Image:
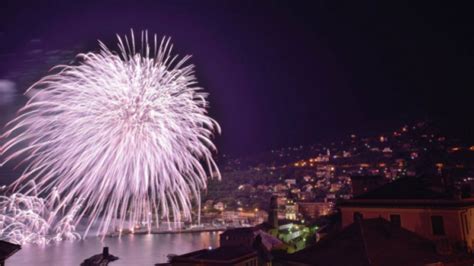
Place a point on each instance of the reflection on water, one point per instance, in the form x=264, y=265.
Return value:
x=131, y=249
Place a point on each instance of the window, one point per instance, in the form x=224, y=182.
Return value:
x=251, y=263
x=395, y=220
x=358, y=216
x=437, y=224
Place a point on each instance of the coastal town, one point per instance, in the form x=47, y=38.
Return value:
x=287, y=212
x=236, y=133
x=308, y=181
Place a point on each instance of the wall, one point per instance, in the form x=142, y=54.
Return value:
x=458, y=222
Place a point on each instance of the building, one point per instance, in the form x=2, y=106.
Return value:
x=420, y=205
x=222, y=256
x=290, y=182
x=246, y=236
x=220, y=206
x=294, y=235
x=260, y=216
x=237, y=237
x=368, y=242
x=313, y=210
x=364, y=184
x=291, y=210
x=7, y=249
x=230, y=215
x=335, y=187
x=281, y=199
x=273, y=213
x=239, y=246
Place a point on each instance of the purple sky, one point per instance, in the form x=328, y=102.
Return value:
x=279, y=73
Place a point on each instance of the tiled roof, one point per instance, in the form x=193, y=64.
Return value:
x=239, y=231
x=222, y=254
x=373, y=242
x=407, y=188
x=226, y=253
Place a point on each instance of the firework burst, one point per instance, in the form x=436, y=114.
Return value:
x=125, y=132
x=31, y=219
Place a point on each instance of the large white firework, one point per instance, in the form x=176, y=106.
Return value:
x=127, y=132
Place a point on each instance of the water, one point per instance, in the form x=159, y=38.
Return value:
x=139, y=250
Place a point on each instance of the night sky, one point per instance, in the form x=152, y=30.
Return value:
x=279, y=74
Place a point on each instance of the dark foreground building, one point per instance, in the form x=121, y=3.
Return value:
x=369, y=242
x=100, y=259
x=238, y=247
x=238, y=256
x=7, y=249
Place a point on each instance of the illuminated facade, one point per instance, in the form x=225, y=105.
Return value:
x=409, y=203
x=291, y=210
x=313, y=210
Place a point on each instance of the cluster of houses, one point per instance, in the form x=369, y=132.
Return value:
x=420, y=220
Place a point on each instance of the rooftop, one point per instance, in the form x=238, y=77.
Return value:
x=221, y=254
x=423, y=191
x=239, y=231
x=373, y=242
x=7, y=249
x=225, y=253
x=408, y=188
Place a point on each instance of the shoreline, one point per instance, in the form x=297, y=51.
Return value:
x=169, y=232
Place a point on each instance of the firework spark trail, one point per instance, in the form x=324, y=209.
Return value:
x=127, y=132
x=29, y=219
